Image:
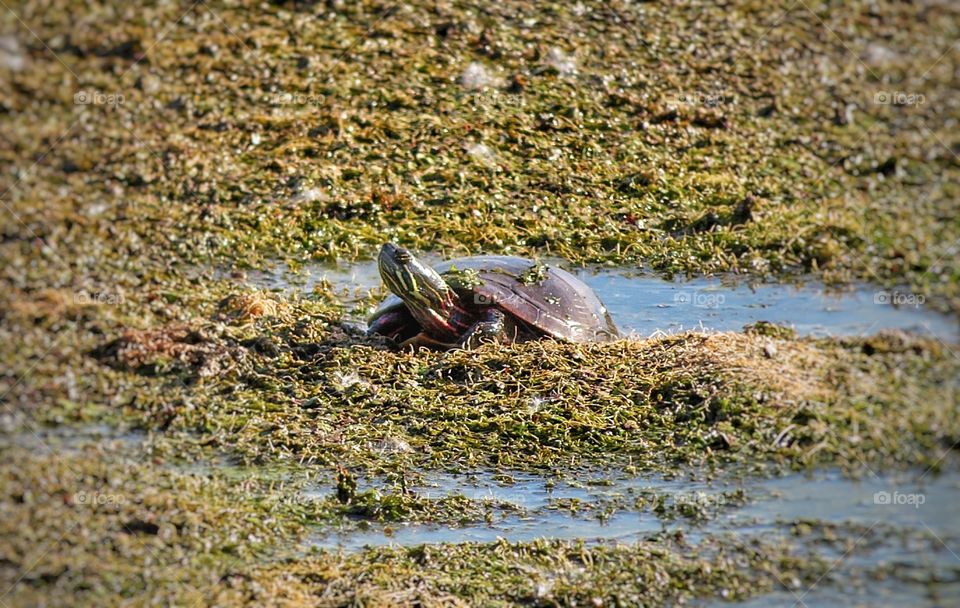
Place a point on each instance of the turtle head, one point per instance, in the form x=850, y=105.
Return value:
x=427, y=295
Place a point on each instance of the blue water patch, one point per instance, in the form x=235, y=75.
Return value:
x=919, y=501
x=644, y=305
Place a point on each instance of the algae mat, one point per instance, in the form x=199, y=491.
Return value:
x=145, y=146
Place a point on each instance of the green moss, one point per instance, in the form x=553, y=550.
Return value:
x=537, y=273
x=463, y=278
x=649, y=573
x=294, y=132
x=772, y=330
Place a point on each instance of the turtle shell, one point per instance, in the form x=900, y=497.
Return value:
x=544, y=298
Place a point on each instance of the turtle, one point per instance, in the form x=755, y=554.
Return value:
x=464, y=302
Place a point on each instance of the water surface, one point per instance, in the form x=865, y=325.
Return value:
x=903, y=527
x=645, y=304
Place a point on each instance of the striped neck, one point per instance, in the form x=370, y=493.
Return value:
x=429, y=298
x=443, y=320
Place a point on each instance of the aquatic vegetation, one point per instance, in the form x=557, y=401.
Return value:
x=153, y=154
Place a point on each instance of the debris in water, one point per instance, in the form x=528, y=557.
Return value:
x=476, y=77
x=564, y=64
x=877, y=55
x=11, y=53
x=482, y=154
x=308, y=196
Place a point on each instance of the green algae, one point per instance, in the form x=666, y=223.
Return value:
x=464, y=278
x=744, y=167
x=232, y=135
x=285, y=389
x=533, y=275
x=541, y=573
x=653, y=403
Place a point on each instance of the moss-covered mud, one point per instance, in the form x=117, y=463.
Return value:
x=143, y=146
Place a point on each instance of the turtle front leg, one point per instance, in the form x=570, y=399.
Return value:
x=396, y=325
x=493, y=326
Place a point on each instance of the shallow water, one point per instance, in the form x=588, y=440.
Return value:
x=66, y=439
x=915, y=513
x=644, y=304
x=917, y=501
x=917, y=510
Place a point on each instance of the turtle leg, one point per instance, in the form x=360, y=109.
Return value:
x=493, y=326
x=422, y=340
x=398, y=325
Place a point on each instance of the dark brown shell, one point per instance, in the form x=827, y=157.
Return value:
x=551, y=301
